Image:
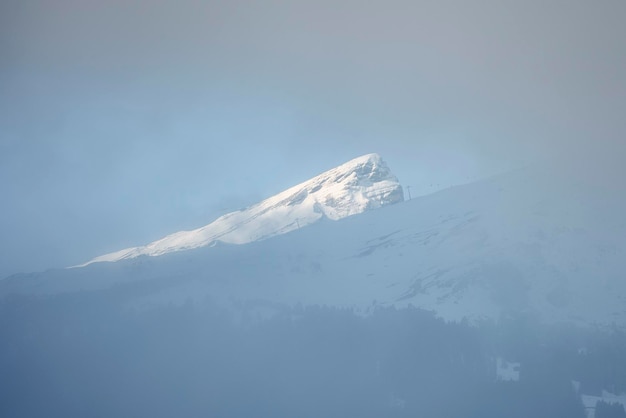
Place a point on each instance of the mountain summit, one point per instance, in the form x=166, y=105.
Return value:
x=533, y=242
x=359, y=185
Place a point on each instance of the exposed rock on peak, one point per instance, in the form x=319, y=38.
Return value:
x=361, y=184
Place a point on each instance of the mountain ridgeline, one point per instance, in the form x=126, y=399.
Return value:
x=335, y=298
x=533, y=242
x=361, y=184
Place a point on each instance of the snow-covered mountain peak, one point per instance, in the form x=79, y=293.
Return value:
x=356, y=186
x=360, y=184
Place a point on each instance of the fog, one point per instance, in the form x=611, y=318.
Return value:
x=124, y=121
x=79, y=356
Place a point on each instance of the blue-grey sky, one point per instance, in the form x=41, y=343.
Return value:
x=122, y=121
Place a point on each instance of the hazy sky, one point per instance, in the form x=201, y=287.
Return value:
x=124, y=120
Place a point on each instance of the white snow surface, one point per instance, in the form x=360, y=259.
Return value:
x=361, y=184
x=536, y=242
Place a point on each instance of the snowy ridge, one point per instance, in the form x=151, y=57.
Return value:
x=534, y=243
x=361, y=184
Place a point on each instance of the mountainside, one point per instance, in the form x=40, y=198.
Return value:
x=531, y=242
x=360, y=184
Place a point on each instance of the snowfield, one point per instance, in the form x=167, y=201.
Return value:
x=361, y=184
x=531, y=242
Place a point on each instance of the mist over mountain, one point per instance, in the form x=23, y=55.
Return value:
x=175, y=242
x=520, y=243
x=509, y=288
x=361, y=184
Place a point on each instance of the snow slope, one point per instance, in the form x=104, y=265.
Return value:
x=533, y=242
x=360, y=184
